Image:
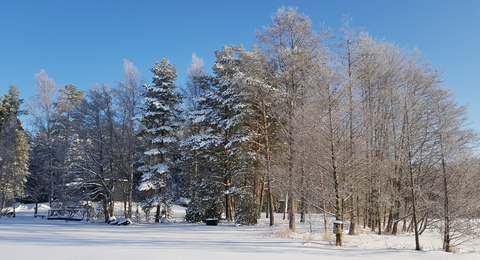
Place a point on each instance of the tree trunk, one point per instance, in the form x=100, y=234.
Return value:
x=395, y=223
x=267, y=212
x=339, y=237
x=157, y=214
x=2, y=205
x=446, y=235
x=125, y=209
x=384, y=217
x=379, y=222
x=388, y=227
x=262, y=192
x=105, y=209
x=415, y=224
x=130, y=196
x=404, y=226
x=50, y=199
x=290, y=200
x=358, y=210
x=291, y=213
x=228, y=204
x=270, y=202
x=351, y=229
x=303, y=198
x=14, y=204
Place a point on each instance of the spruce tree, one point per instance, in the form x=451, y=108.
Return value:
x=162, y=120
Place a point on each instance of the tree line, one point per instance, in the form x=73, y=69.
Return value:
x=339, y=124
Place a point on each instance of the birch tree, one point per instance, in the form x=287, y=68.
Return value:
x=96, y=161
x=128, y=100
x=41, y=108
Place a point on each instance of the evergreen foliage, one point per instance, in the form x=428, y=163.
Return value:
x=199, y=162
x=218, y=144
x=162, y=121
x=14, y=149
x=206, y=199
x=355, y=129
x=246, y=208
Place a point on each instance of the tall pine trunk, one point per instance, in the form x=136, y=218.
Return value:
x=270, y=202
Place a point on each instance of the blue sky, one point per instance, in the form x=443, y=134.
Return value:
x=85, y=42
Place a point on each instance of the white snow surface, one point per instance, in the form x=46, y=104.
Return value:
x=26, y=237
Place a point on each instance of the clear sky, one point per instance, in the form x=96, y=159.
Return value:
x=84, y=42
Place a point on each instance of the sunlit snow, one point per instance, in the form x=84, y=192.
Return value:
x=26, y=237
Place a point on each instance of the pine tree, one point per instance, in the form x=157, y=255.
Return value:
x=230, y=126
x=219, y=148
x=199, y=164
x=70, y=99
x=162, y=120
x=257, y=79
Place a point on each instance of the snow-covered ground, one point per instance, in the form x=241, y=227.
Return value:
x=25, y=237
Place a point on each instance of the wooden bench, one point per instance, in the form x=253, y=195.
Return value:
x=75, y=214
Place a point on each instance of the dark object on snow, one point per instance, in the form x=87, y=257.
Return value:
x=27, y=200
x=112, y=221
x=211, y=221
x=121, y=222
x=38, y=215
x=124, y=222
x=7, y=214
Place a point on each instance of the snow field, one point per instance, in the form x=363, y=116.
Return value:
x=25, y=237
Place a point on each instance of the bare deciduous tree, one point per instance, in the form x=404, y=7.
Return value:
x=291, y=47
x=128, y=99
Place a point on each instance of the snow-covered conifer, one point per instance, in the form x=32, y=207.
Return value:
x=218, y=146
x=246, y=208
x=14, y=149
x=199, y=163
x=230, y=125
x=162, y=121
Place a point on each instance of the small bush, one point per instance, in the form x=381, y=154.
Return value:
x=283, y=232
